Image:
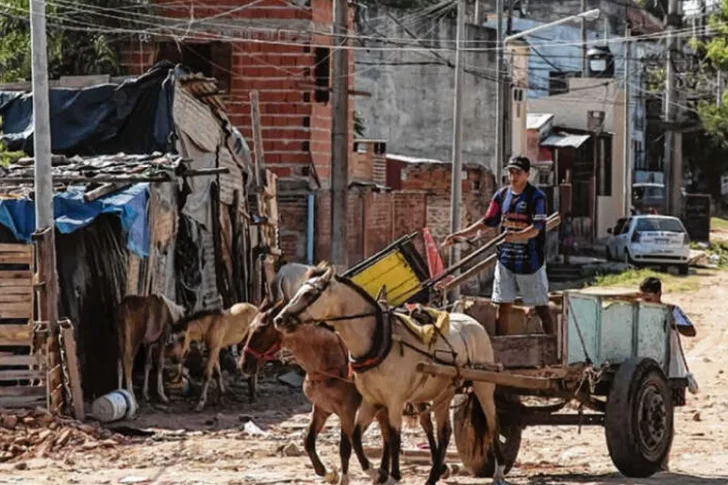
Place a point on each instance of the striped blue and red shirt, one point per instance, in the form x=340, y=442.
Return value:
x=515, y=212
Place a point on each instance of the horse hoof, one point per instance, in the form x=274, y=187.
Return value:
x=332, y=477
x=344, y=480
x=200, y=407
x=391, y=481
x=373, y=475
x=164, y=399
x=445, y=473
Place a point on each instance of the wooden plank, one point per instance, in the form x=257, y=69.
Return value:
x=19, y=360
x=28, y=402
x=16, y=274
x=16, y=314
x=15, y=258
x=525, y=351
x=16, y=297
x=11, y=375
x=16, y=310
x=506, y=379
x=16, y=290
x=15, y=334
x=16, y=248
x=74, y=375
x=25, y=391
x=259, y=160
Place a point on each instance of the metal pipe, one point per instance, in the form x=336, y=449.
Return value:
x=310, y=229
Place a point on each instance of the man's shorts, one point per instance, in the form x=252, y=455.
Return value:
x=532, y=288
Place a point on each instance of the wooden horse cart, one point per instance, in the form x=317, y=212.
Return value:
x=610, y=356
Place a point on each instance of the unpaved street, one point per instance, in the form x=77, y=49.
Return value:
x=215, y=448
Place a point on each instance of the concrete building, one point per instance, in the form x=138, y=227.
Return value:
x=602, y=197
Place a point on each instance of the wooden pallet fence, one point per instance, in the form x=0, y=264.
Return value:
x=22, y=367
x=46, y=303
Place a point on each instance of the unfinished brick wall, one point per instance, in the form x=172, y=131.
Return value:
x=409, y=215
x=269, y=49
x=290, y=68
x=356, y=204
x=293, y=215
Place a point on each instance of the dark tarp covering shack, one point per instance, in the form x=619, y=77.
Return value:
x=198, y=249
x=132, y=117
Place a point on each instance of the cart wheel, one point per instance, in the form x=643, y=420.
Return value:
x=470, y=428
x=639, y=418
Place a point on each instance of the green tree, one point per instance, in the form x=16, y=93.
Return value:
x=710, y=148
x=81, y=36
x=7, y=157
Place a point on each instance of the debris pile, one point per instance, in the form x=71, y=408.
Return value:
x=38, y=434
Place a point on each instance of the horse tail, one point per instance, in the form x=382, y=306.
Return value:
x=474, y=411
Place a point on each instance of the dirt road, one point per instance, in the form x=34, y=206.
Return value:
x=215, y=447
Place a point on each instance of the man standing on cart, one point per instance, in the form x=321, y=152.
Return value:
x=520, y=210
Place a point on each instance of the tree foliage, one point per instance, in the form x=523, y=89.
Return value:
x=7, y=157
x=82, y=36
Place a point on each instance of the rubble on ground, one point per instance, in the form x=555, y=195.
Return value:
x=38, y=434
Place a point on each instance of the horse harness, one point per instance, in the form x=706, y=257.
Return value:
x=383, y=339
x=263, y=356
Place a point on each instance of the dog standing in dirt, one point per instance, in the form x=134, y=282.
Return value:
x=144, y=321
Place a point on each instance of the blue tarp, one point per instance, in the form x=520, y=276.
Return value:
x=72, y=213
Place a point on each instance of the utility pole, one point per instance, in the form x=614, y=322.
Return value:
x=44, y=219
x=669, y=110
x=457, y=142
x=41, y=117
x=499, y=95
x=506, y=101
x=340, y=137
x=583, y=40
x=627, y=136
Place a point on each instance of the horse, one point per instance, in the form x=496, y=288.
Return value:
x=322, y=355
x=144, y=321
x=385, y=354
x=218, y=329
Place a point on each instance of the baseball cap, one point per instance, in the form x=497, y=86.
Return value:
x=520, y=162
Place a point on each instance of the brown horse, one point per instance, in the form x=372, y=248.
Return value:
x=324, y=358
x=218, y=329
x=144, y=321
x=385, y=357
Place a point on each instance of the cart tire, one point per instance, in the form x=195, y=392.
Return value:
x=639, y=418
x=469, y=428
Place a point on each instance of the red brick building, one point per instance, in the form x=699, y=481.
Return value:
x=281, y=48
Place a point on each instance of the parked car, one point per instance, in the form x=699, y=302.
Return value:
x=647, y=196
x=650, y=240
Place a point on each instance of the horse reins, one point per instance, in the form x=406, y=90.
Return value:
x=373, y=358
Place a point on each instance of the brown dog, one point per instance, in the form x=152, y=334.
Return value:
x=144, y=320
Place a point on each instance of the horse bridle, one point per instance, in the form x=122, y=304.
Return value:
x=266, y=355
x=319, y=291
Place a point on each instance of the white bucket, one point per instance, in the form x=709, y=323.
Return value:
x=114, y=406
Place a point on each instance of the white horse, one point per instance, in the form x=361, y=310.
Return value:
x=384, y=356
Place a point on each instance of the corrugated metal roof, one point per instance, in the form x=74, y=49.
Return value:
x=565, y=140
x=429, y=161
x=534, y=121
x=18, y=177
